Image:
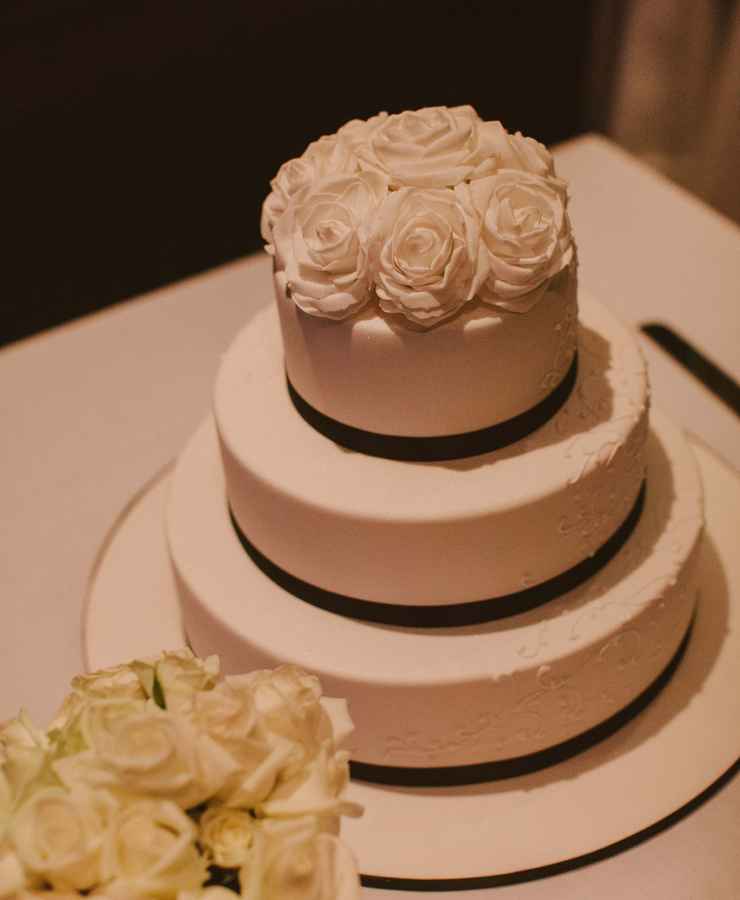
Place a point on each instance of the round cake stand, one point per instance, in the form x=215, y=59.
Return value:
x=516, y=829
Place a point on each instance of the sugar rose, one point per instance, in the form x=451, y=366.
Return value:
x=327, y=156
x=515, y=151
x=358, y=131
x=434, y=147
x=430, y=263
x=525, y=236
x=325, y=244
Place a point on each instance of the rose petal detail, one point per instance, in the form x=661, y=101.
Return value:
x=325, y=244
x=525, y=234
x=430, y=263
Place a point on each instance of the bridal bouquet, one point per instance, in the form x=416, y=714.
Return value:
x=161, y=779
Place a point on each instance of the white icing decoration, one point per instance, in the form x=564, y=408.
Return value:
x=466, y=177
x=325, y=243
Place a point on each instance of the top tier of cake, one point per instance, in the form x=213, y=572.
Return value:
x=424, y=273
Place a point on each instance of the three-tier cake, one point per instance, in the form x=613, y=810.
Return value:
x=430, y=475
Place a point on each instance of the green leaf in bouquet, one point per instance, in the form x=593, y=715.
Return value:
x=158, y=693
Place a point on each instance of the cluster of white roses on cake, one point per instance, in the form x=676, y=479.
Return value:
x=424, y=211
x=159, y=779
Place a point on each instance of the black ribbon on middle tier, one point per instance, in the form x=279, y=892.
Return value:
x=441, y=447
x=456, y=614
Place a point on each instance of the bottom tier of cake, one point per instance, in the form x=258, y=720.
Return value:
x=453, y=697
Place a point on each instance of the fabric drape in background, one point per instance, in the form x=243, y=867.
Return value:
x=670, y=91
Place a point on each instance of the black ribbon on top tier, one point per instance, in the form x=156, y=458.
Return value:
x=456, y=614
x=442, y=447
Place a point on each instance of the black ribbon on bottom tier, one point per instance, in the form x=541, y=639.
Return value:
x=478, y=773
x=442, y=447
x=453, y=615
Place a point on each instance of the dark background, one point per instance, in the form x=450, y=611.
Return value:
x=138, y=138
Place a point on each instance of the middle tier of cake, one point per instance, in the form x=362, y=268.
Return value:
x=369, y=530
x=454, y=697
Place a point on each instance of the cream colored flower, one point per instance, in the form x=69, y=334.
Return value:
x=173, y=678
x=227, y=713
x=261, y=763
x=515, y=151
x=57, y=835
x=113, y=683
x=12, y=875
x=150, y=850
x=325, y=244
x=293, y=860
x=434, y=147
x=151, y=751
x=212, y=892
x=340, y=720
x=226, y=835
x=288, y=703
x=329, y=156
x=430, y=262
x=525, y=233
x=315, y=790
x=25, y=756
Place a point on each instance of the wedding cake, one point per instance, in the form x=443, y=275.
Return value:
x=430, y=475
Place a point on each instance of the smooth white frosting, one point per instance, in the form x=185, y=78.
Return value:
x=434, y=533
x=458, y=696
x=480, y=368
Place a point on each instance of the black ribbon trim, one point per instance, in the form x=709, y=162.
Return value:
x=442, y=447
x=451, y=615
x=478, y=773
x=549, y=757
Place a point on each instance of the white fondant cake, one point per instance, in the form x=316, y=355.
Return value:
x=425, y=284
x=433, y=533
x=444, y=697
x=478, y=369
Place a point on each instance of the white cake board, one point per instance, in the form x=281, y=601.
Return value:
x=647, y=771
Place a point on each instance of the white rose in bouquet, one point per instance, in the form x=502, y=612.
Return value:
x=150, y=851
x=288, y=702
x=13, y=876
x=316, y=789
x=212, y=892
x=25, y=759
x=227, y=835
x=173, y=679
x=57, y=835
x=154, y=752
x=293, y=860
x=325, y=243
x=525, y=233
x=431, y=262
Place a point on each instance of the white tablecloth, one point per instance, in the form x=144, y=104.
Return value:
x=91, y=410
